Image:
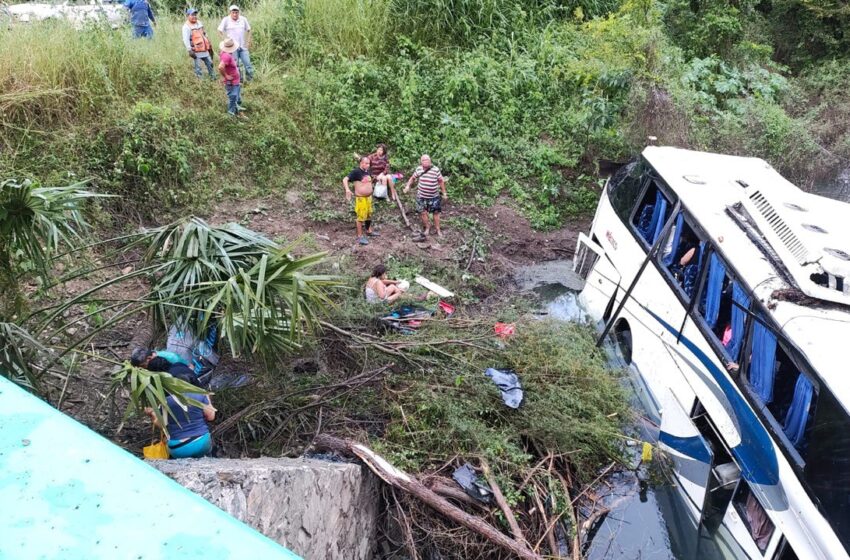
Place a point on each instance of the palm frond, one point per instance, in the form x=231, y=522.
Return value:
x=18, y=350
x=152, y=389
x=36, y=220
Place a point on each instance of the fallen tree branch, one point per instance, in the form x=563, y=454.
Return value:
x=404, y=481
x=503, y=503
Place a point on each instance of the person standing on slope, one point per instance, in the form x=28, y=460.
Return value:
x=236, y=27
x=141, y=18
x=428, y=194
x=197, y=43
x=362, y=183
x=230, y=77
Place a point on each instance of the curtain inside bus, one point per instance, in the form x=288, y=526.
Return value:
x=672, y=248
x=798, y=414
x=739, y=315
x=714, y=290
x=651, y=219
x=762, y=365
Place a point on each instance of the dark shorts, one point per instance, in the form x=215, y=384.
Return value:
x=430, y=205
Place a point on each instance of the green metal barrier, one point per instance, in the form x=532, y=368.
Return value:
x=67, y=493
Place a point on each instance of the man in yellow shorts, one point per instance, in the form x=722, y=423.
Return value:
x=362, y=183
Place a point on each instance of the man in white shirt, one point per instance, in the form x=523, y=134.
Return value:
x=236, y=27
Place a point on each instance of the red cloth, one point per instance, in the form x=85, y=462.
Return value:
x=504, y=330
x=231, y=70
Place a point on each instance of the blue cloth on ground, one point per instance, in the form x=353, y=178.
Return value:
x=508, y=383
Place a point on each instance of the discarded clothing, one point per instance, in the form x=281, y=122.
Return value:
x=405, y=318
x=508, y=383
x=468, y=480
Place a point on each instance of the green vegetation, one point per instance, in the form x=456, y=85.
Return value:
x=510, y=98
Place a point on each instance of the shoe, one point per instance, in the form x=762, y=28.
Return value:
x=242, y=116
x=373, y=234
x=363, y=240
x=240, y=108
x=419, y=237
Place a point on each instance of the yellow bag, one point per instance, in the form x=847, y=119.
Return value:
x=158, y=450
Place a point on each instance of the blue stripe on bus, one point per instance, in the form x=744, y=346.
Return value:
x=691, y=446
x=755, y=454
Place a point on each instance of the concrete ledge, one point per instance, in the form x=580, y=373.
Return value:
x=318, y=509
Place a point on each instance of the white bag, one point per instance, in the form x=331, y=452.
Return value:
x=380, y=191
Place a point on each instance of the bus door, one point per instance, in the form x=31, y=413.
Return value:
x=601, y=277
x=749, y=526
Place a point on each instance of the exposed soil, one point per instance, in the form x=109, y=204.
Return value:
x=508, y=238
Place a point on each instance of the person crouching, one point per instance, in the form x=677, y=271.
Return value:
x=189, y=434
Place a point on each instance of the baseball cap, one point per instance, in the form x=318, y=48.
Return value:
x=191, y=11
x=234, y=7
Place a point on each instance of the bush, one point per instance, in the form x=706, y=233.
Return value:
x=151, y=157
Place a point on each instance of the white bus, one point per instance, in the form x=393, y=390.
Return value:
x=727, y=289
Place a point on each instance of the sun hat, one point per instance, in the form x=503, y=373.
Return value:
x=234, y=7
x=228, y=45
x=191, y=11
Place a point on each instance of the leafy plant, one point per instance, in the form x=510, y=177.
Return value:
x=260, y=295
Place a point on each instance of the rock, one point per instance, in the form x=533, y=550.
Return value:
x=127, y=270
x=72, y=331
x=315, y=508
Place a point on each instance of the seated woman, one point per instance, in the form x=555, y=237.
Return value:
x=379, y=170
x=189, y=434
x=381, y=289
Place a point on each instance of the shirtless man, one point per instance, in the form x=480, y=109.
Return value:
x=362, y=199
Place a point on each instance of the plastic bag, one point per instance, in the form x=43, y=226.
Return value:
x=508, y=383
x=156, y=451
x=380, y=190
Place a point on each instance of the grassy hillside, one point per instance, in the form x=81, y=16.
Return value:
x=509, y=97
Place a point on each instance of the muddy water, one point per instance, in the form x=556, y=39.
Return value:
x=648, y=519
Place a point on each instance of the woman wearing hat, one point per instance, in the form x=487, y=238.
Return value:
x=230, y=76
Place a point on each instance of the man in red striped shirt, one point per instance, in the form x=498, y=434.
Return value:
x=428, y=194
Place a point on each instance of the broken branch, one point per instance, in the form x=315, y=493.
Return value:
x=404, y=481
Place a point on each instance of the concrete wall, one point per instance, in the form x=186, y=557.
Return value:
x=317, y=509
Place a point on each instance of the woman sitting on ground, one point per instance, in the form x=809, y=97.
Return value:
x=189, y=434
x=381, y=289
x=379, y=169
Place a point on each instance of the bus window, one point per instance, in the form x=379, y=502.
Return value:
x=784, y=391
x=624, y=189
x=723, y=306
x=785, y=552
x=753, y=515
x=682, y=255
x=828, y=463
x=652, y=212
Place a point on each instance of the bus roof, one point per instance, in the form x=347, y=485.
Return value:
x=809, y=234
